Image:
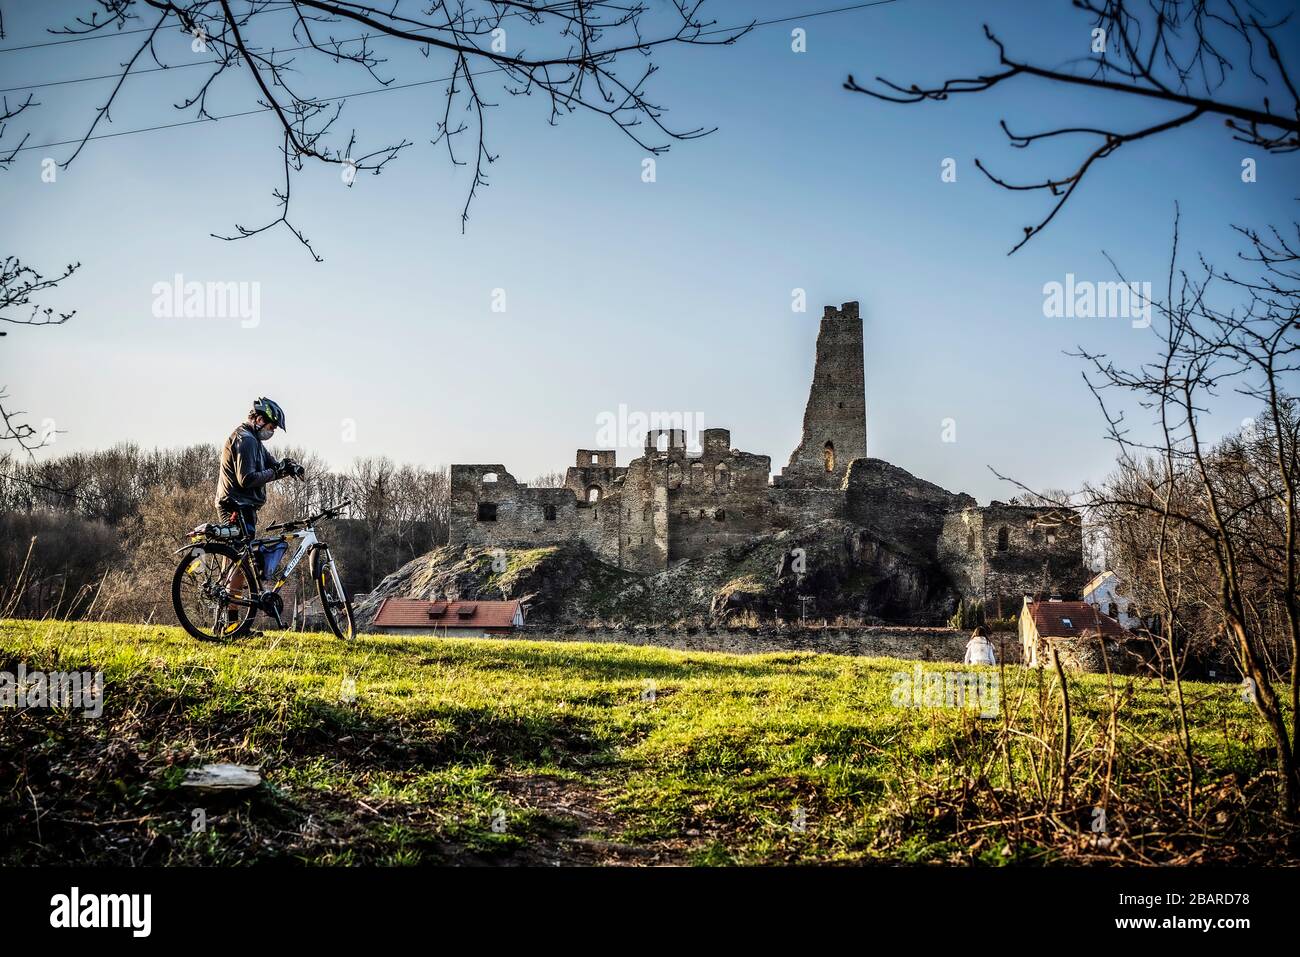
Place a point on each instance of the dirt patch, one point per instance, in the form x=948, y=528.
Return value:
x=580, y=830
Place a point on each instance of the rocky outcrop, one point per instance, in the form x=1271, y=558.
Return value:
x=558, y=583
x=828, y=570
x=898, y=508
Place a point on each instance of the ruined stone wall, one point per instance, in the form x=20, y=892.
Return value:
x=644, y=534
x=669, y=505
x=716, y=499
x=521, y=513
x=1000, y=553
x=906, y=642
x=835, y=418
x=899, y=508
x=797, y=507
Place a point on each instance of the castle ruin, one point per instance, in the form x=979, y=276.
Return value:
x=670, y=505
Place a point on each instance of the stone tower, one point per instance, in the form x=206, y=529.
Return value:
x=835, y=420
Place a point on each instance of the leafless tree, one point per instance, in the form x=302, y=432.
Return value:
x=1178, y=53
x=553, y=479
x=20, y=285
x=573, y=54
x=1221, y=520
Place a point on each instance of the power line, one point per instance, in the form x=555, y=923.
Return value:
x=183, y=66
x=102, y=36
x=124, y=33
x=801, y=16
x=382, y=89
x=260, y=109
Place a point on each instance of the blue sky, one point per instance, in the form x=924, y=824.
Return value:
x=671, y=296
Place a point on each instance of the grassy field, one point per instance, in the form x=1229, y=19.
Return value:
x=516, y=752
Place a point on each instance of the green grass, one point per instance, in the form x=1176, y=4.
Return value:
x=478, y=751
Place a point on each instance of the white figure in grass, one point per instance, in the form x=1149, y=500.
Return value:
x=979, y=650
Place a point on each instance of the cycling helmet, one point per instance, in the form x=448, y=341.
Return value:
x=270, y=410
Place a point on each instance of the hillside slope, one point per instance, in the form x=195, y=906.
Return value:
x=407, y=750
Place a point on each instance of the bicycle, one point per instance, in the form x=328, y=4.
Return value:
x=210, y=609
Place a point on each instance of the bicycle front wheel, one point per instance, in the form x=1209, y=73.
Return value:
x=206, y=586
x=334, y=601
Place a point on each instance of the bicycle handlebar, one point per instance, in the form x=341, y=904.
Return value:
x=332, y=512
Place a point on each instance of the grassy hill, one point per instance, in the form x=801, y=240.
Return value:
x=517, y=752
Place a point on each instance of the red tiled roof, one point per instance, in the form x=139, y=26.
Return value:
x=414, y=613
x=1050, y=619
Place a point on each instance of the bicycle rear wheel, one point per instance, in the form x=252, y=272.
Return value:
x=334, y=601
x=202, y=591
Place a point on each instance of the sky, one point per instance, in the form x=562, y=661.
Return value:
x=670, y=296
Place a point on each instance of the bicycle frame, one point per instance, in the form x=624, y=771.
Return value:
x=307, y=542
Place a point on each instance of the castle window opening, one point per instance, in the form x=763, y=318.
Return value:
x=1113, y=610
x=595, y=459
x=593, y=494
x=720, y=515
x=645, y=514
x=1004, y=539
x=661, y=443
x=548, y=513
x=697, y=473
x=487, y=511
x=828, y=455
x=722, y=476
x=489, y=477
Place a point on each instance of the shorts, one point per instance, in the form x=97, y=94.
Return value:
x=246, y=515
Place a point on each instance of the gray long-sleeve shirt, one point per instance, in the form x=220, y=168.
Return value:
x=246, y=467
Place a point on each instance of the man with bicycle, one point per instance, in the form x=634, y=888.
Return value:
x=225, y=575
x=246, y=469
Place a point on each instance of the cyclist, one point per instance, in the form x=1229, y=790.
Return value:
x=247, y=467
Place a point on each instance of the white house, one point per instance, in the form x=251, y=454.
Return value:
x=1108, y=596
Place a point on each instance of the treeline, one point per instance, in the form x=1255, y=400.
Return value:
x=95, y=531
x=1167, y=522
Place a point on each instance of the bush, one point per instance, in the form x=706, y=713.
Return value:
x=969, y=615
x=52, y=561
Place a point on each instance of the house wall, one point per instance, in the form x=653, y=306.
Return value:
x=1109, y=593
